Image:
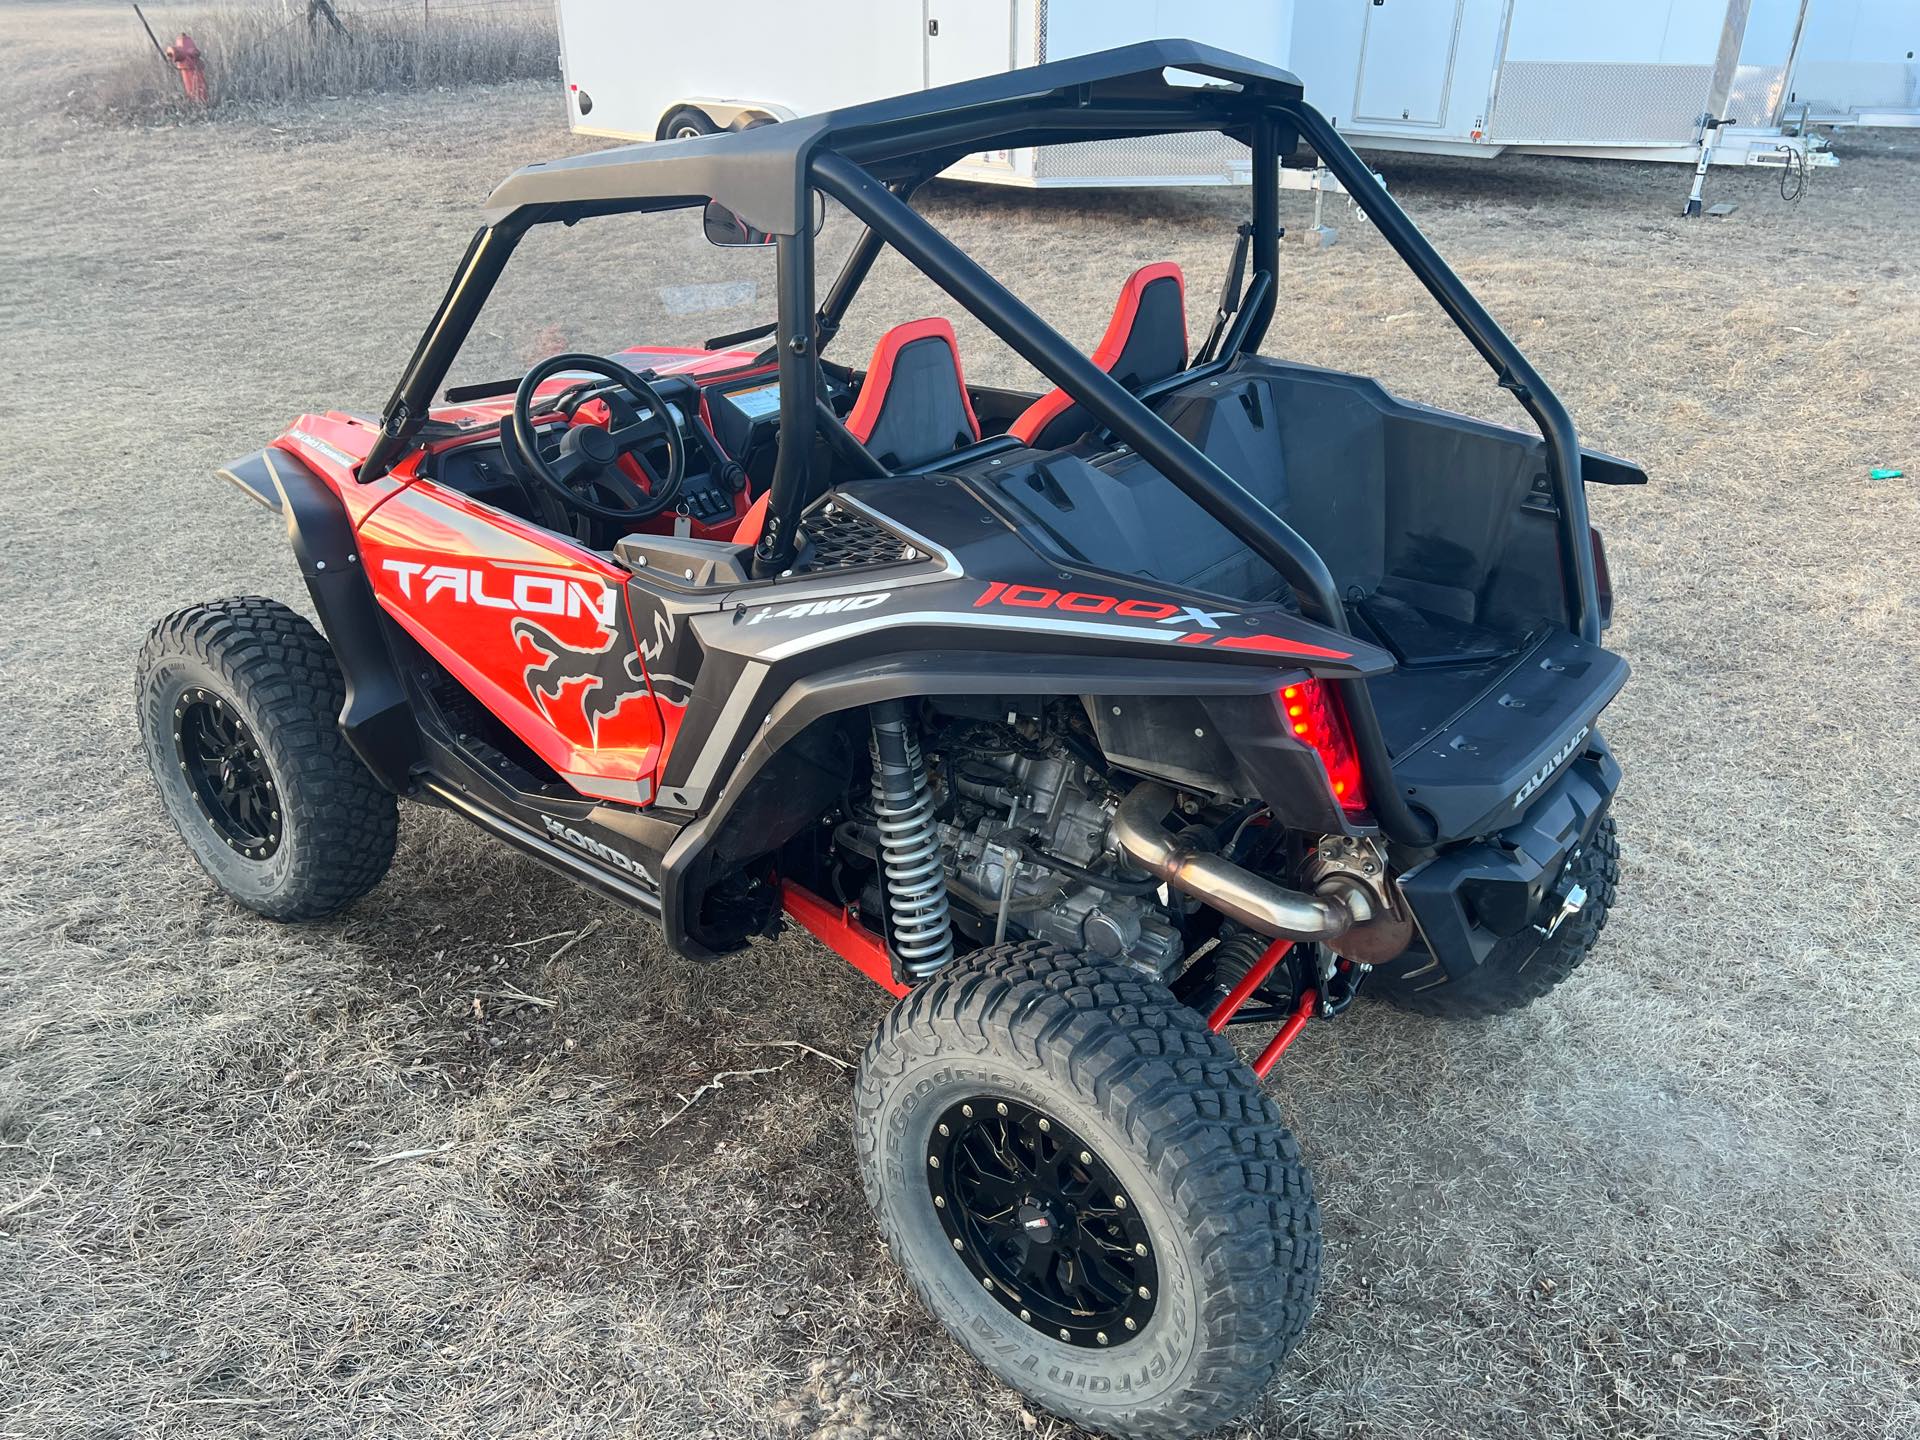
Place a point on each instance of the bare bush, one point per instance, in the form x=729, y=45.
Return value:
x=262, y=55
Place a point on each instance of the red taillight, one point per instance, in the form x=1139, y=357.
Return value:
x=1313, y=714
x=1602, y=577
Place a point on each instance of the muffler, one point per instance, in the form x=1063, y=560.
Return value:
x=1233, y=890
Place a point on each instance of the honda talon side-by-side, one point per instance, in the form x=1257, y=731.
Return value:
x=1201, y=690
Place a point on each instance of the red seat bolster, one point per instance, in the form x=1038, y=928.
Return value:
x=1035, y=418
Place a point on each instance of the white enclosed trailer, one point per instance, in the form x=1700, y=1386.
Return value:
x=1631, y=79
x=1855, y=63
x=1627, y=79
x=640, y=71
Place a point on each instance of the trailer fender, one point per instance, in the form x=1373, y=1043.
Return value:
x=725, y=114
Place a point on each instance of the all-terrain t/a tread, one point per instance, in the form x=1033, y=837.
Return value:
x=1196, y=1117
x=288, y=685
x=1518, y=972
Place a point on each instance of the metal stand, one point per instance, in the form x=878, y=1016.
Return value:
x=1709, y=133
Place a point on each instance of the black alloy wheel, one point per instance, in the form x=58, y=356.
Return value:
x=239, y=703
x=1042, y=1222
x=1088, y=1188
x=229, y=778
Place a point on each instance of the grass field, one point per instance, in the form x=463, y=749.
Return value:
x=1680, y=1198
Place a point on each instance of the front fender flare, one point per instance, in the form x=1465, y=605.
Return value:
x=377, y=719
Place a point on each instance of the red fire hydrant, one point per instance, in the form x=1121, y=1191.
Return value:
x=185, y=56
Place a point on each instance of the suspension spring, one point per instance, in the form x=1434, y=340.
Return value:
x=920, y=930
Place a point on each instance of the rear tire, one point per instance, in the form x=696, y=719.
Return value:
x=1213, y=1217
x=1523, y=967
x=239, y=703
x=687, y=122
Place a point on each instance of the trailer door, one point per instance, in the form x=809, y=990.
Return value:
x=1406, y=61
x=966, y=39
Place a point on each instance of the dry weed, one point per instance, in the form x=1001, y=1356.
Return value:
x=260, y=55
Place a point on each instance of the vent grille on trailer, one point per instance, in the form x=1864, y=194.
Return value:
x=845, y=539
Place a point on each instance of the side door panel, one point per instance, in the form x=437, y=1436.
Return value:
x=536, y=627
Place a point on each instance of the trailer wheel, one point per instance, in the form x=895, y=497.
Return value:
x=1089, y=1189
x=239, y=703
x=1525, y=967
x=687, y=122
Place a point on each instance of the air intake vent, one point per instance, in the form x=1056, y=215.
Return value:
x=842, y=539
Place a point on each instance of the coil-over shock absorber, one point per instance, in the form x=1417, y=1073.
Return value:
x=920, y=930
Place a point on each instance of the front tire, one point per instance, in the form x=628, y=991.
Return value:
x=1040, y=1079
x=238, y=703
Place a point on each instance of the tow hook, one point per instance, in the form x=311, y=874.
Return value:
x=1572, y=902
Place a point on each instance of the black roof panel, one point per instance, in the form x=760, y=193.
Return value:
x=758, y=173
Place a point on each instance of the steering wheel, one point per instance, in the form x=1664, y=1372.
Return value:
x=590, y=454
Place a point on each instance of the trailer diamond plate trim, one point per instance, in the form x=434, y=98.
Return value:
x=1568, y=102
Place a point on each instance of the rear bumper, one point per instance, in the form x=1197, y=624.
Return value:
x=1467, y=899
x=1479, y=771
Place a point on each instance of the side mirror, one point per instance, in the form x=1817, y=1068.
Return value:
x=723, y=227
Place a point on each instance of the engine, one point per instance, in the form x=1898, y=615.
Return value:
x=1023, y=823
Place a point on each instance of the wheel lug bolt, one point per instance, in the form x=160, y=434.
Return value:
x=939, y=1202
x=1086, y=1157
x=1140, y=1250
x=934, y=1161
x=958, y=1246
x=1144, y=1293
x=1066, y=1335
x=1101, y=1337
x=987, y=1281
x=1132, y=1324
x=1025, y=1316
x=967, y=1110
x=1045, y=1126
x=1119, y=1202
x=1001, y=1107
x=944, y=1130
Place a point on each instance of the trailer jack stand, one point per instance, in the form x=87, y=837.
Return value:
x=1709, y=133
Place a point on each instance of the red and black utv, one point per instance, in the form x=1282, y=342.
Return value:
x=1205, y=689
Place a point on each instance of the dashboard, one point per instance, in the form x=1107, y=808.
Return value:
x=739, y=414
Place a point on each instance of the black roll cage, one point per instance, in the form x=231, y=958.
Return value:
x=871, y=157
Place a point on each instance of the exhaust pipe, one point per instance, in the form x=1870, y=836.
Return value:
x=1233, y=890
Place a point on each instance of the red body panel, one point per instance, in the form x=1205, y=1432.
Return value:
x=535, y=626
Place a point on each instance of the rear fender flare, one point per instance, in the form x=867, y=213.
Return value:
x=853, y=687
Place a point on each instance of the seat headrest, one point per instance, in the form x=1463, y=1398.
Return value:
x=913, y=404
x=1146, y=340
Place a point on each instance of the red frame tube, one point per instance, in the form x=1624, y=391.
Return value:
x=1277, y=1046
x=1224, y=1012
x=842, y=933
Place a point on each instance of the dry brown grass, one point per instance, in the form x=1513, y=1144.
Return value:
x=264, y=54
x=1679, y=1199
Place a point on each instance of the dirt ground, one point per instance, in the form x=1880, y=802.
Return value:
x=1679, y=1198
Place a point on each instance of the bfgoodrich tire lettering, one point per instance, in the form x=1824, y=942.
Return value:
x=1180, y=1122
x=266, y=665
